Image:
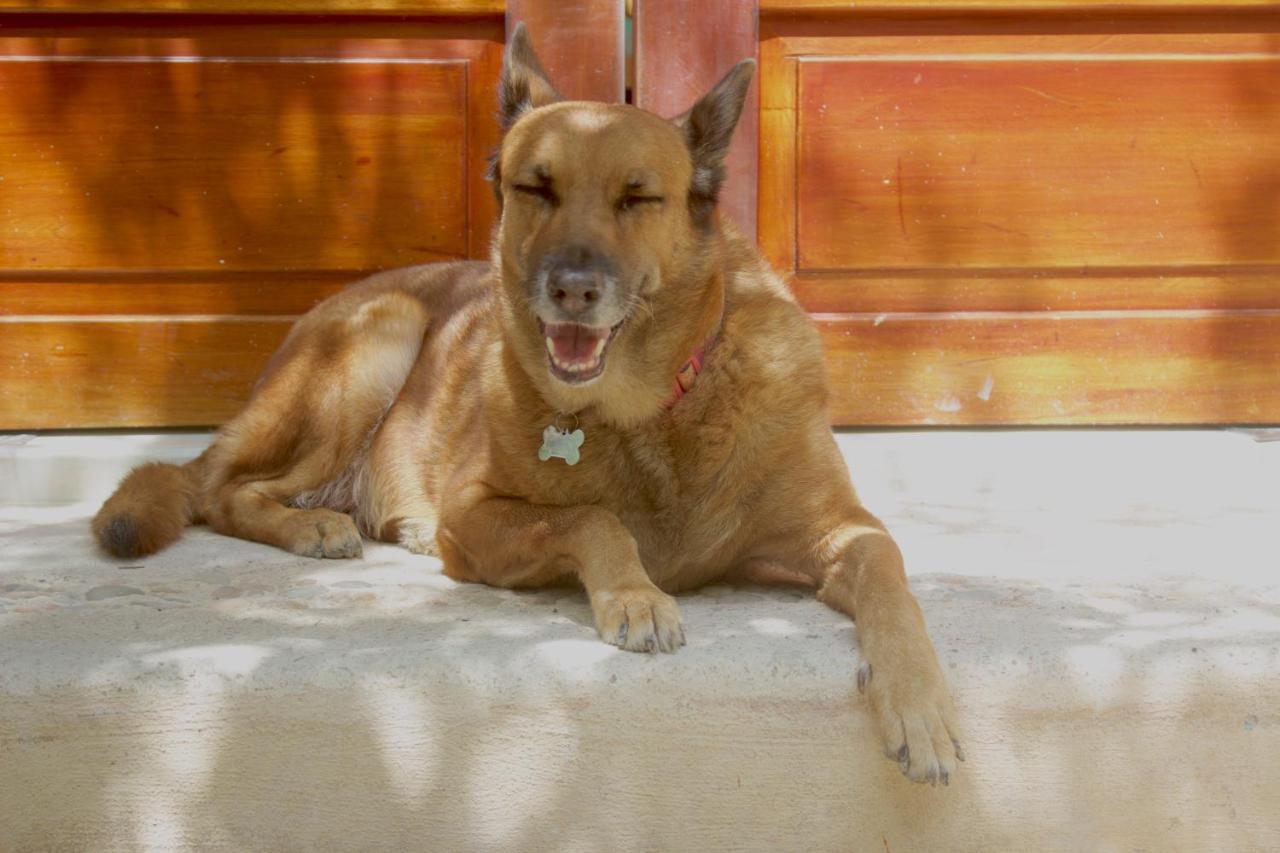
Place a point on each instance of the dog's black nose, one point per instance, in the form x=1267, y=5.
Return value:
x=574, y=291
x=578, y=279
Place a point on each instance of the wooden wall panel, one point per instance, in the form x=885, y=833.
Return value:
x=1029, y=219
x=191, y=371
x=223, y=7
x=682, y=50
x=878, y=291
x=834, y=8
x=1112, y=368
x=580, y=43
x=1039, y=161
x=176, y=189
x=149, y=294
x=231, y=163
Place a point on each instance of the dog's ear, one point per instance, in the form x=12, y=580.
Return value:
x=524, y=85
x=708, y=129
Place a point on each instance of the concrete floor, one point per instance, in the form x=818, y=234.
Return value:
x=1107, y=606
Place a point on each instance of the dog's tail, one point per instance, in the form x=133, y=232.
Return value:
x=149, y=509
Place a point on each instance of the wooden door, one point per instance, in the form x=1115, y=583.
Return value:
x=1014, y=212
x=180, y=178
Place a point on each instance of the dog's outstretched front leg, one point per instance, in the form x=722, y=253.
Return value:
x=512, y=543
x=900, y=674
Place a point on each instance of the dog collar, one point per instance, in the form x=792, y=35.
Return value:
x=688, y=372
x=566, y=442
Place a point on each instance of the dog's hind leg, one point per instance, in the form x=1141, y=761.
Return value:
x=315, y=411
x=401, y=494
x=396, y=505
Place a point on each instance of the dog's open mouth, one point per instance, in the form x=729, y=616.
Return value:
x=577, y=352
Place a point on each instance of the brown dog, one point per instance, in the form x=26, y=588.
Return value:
x=626, y=395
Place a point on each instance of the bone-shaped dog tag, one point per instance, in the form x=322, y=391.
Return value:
x=563, y=445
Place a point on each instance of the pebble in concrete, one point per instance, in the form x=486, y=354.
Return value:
x=225, y=592
x=99, y=593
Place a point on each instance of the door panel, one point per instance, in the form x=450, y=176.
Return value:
x=999, y=213
x=682, y=50
x=222, y=7
x=130, y=371
x=223, y=163
x=1045, y=368
x=1029, y=219
x=1038, y=161
x=176, y=188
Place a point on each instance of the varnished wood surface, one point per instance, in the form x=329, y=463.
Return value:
x=475, y=45
x=159, y=294
x=232, y=165
x=941, y=290
x=1098, y=322
x=176, y=189
x=323, y=37
x=776, y=174
x=838, y=7
x=1083, y=143
x=1039, y=161
x=580, y=44
x=131, y=373
x=894, y=370
x=682, y=50
x=295, y=7
x=1045, y=368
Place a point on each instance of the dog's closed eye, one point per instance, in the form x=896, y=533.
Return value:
x=631, y=202
x=539, y=191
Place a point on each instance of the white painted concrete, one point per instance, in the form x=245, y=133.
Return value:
x=1106, y=604
x=59, y=468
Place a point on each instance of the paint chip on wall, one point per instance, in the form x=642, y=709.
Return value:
x=948, y=403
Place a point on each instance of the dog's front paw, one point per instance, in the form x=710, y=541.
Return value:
x=643, y=619
x=914, y=714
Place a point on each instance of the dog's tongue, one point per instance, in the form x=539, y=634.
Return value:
x=574, y=342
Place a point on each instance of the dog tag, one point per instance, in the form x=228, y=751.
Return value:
x=561, y=444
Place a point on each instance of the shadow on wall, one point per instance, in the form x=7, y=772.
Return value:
x=376, y=705
x=257, y=180
x=221, y=163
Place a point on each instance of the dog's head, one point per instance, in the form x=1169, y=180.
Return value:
x=608, y=242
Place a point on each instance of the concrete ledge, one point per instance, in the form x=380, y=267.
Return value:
x=61, y=468
x=1117, y=670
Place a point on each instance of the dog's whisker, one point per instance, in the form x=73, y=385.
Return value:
x=636, y=302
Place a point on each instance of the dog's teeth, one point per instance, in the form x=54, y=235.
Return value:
x=587, y=365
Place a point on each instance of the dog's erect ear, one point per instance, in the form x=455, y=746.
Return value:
x=524, y=85
x=708, y=128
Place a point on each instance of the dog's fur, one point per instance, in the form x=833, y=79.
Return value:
x=411, y=407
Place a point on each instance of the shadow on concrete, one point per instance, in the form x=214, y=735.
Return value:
x=374, y=704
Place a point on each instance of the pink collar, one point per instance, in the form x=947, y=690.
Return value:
x=688, y=372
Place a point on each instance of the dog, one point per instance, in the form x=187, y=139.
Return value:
x=625, y=396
